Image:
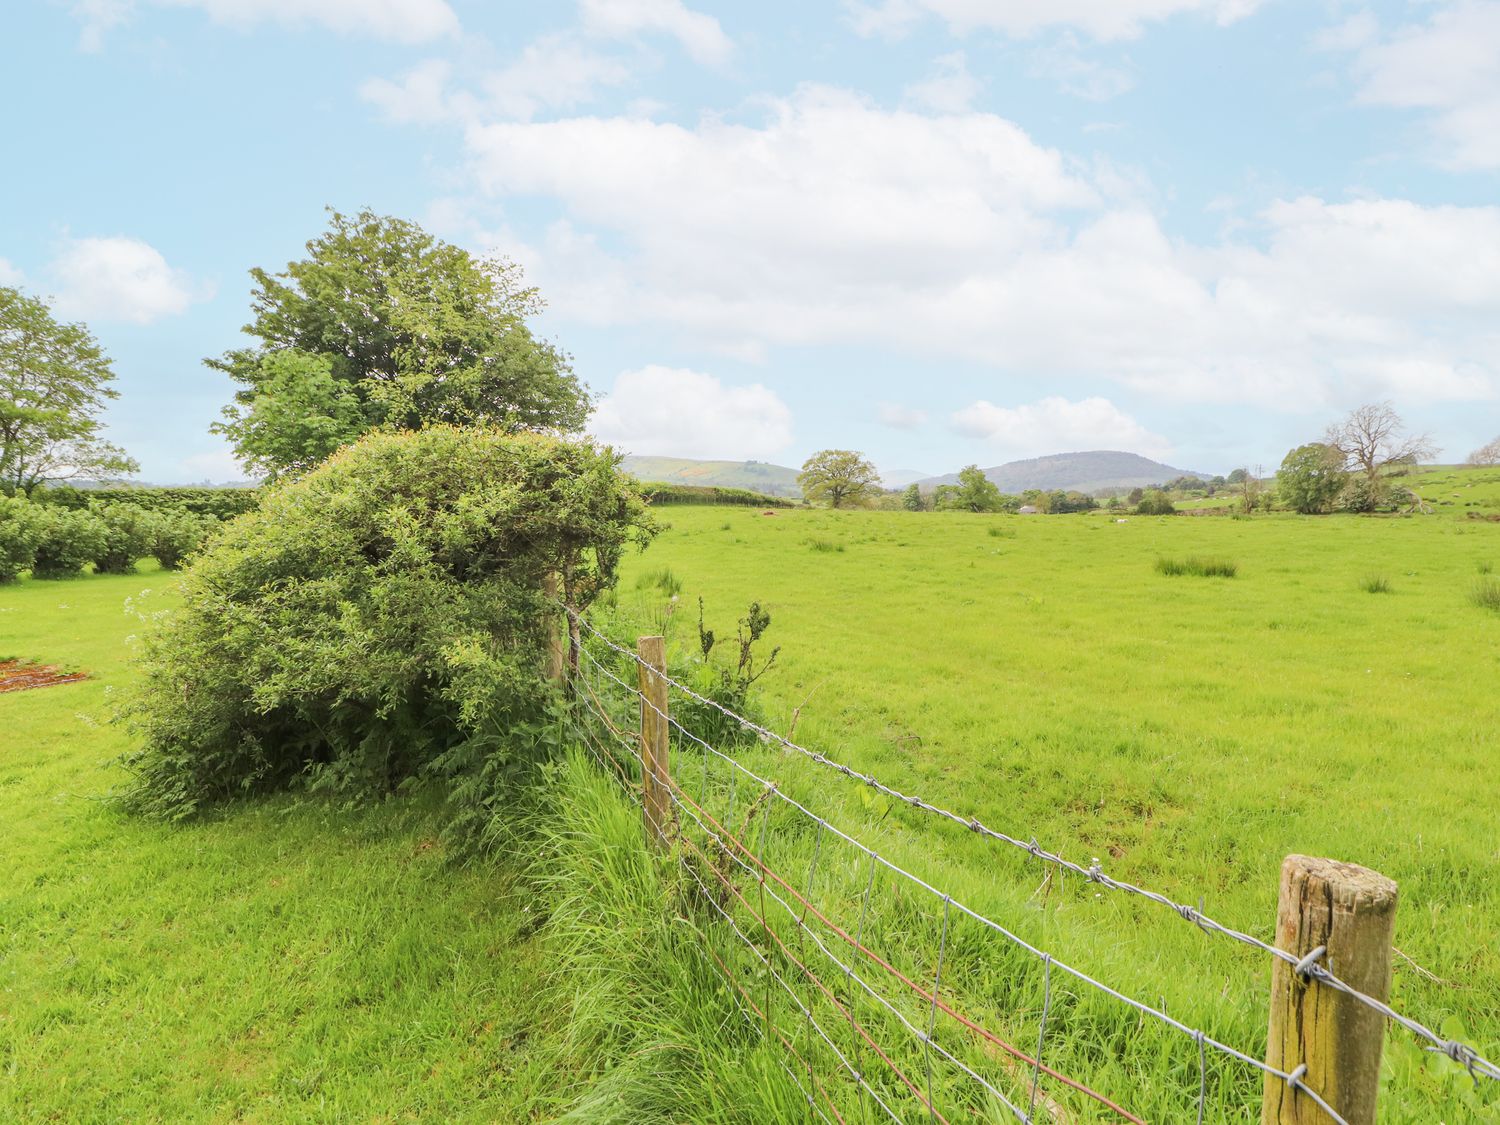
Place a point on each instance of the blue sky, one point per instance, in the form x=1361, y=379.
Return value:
x=938, y=231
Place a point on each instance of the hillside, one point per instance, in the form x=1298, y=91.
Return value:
x=759, y=476
x=1091, y=471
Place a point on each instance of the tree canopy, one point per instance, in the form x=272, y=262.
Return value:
x=383, y=326
x=54, y=381
x=1371, y=439
x=1488, y=454
x=1311, y=477
x=839, y=476
x=974, y=492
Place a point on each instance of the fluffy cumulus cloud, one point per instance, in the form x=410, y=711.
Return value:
x=700, y=35
x=1100, y=19
x=1448, y=65
x=400, y=21
x=121, y=279
x=835, y=220
x=673, y=412
x=1056, y=423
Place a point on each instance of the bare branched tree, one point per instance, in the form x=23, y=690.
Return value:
x=1374, y=438
x=1486, y=454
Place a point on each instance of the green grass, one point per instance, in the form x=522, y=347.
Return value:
x=1189, y=741
x=1199, y=566
x=1375, y=584
x=279, y=961
x=1486, y=593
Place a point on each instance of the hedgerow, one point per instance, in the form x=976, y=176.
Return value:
x=379, y=621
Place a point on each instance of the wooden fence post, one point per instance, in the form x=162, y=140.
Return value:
x=1350, y=911
x=656, y=768
x=557, y=647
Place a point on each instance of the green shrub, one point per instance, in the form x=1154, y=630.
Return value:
x=1375, y=584
x=20, y=533
x=726, y=686
x=380, y=621
x=221, y=503
x=70, y=538
x=177, y=535
x=1486, y=594
x=1201, y=567
x=128, y=534
x=1155, y=502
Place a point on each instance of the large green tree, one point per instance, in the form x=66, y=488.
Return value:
x=383, y=326
x=54, y=381
x=975, y=492
x=839, y=476
x=1311, y=477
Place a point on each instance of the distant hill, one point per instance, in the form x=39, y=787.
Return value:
x=900, y=478
x=774, y=480
x=1093, y=471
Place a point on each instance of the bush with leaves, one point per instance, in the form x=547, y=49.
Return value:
x=379, y=621
x=69, y=540
x=176, y=535
x=128, y=534
x=20, y=533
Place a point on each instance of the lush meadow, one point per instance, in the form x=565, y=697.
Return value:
x=282, y=960
x=1102, y=686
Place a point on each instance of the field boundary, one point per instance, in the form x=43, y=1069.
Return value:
x=714, y=856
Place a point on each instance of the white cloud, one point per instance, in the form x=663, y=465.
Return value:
x=672, y=412
x=900, y=417
x=10, y=274
x=120, y=279
x=1066, y=63
x=98, y=17
x=418, y=97
x=1449, y=66
x=700, y=35
x=400, y=21
x=1099, y=19
x=1055, y=424
x=949, y=89
x=555, y=72
x=835, y=221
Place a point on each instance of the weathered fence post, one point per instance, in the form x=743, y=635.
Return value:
x=557, y=647
x=1350, y=912
x=656, y=769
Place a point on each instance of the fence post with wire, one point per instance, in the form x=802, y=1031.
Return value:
x=868, y=1015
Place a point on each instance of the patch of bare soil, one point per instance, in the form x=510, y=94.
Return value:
x=16, y=676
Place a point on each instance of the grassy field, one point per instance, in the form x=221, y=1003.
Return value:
x=286, y=960
x=280, y=961
x=1044, y=675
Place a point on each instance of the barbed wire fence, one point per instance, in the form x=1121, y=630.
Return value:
x=854, y=966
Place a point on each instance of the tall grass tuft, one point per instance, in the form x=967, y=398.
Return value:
x=1486, y=593
x=826, y=546
x=662, y=579
x=1375, y=584
x=1201, y=566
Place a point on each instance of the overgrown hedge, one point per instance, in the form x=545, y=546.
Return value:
x=380, y=621
x=659, y=493
x=221, y=503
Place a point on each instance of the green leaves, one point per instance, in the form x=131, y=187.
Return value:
x=384, y=326
x=54, y=379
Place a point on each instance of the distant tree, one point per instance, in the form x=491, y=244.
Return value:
x=839, y=476
x=1155, y=502
x=1134, y=497
x=1247, y=487
x=1372, y=439
x=1486, y=454
x=911, y=499
x=383, y=326
x=1311, y=477
x=942, y=498
x=54, y=381
x=1236, y=476
x=975, y=492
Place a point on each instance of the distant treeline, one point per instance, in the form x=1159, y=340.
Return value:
x=662, y=492
x=221, y=503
